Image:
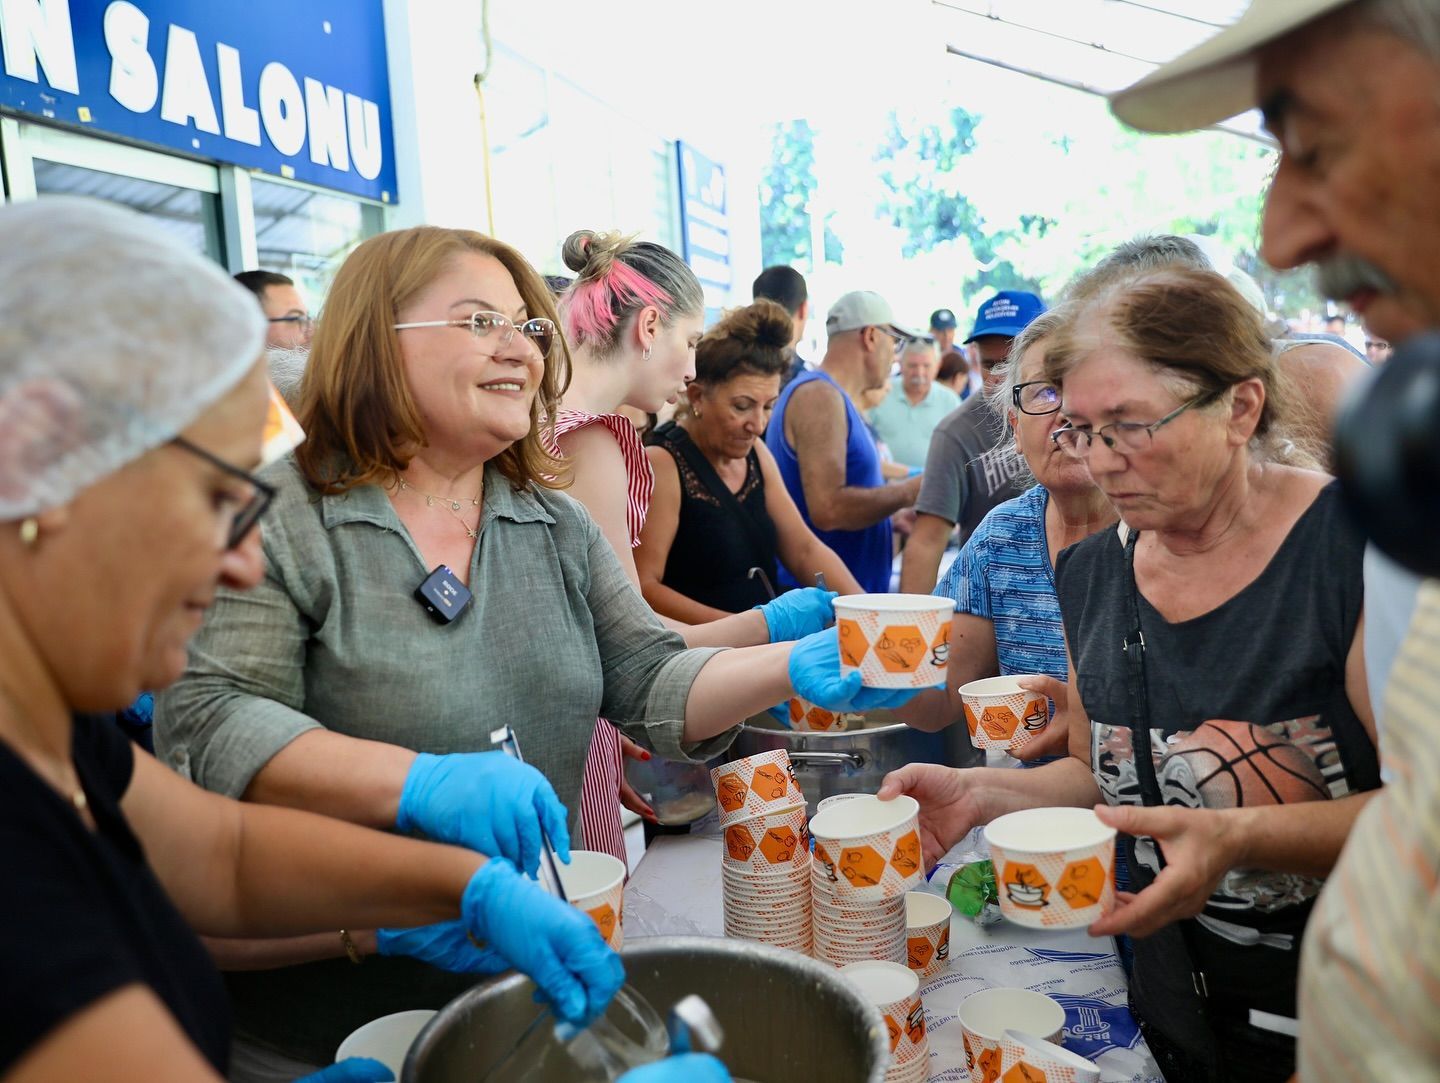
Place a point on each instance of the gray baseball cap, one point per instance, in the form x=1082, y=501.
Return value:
x=863, y=308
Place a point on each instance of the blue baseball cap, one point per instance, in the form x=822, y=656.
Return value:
x=1006, y=314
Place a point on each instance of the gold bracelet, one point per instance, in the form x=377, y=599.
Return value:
x=350, y=949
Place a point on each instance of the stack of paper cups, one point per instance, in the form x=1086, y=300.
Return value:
x=867, y=856
x=895, y=990
x=766, y=855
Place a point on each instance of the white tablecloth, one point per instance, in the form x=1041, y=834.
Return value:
x=676, y=891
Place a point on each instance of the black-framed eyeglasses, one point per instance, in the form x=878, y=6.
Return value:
x=247, y=512
x=1123, y=437
x=1035, y=397
x=901, y=341
x=304, y=324
x=497, y=330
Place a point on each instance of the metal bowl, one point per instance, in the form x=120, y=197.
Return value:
x=787, y=1018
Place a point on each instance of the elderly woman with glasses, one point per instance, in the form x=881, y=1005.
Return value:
x=1007, y=615
x=1216, y=668
x=426, y=581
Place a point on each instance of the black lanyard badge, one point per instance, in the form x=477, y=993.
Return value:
x=443, y=595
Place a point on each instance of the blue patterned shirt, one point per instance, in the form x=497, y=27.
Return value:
x=1003, y=574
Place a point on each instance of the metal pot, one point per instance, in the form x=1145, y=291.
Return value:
x=856, y=759
x=786, y=1017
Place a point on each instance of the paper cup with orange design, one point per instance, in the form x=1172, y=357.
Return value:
x=776, y=842
x=755, y=786
x=1000, y=714
x=895, y=990
x=868, y=849
x=1054, y=867
x=1034, y=1058
x=986, y=1016
x=595, y=883
x=927, y=932
x=805, y=715
x=894, y=640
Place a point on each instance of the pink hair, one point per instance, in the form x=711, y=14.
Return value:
x=592, y=310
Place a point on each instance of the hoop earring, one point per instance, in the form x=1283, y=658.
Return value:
x=29, y=532
x=646, y=355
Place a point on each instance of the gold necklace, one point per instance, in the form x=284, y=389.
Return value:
x=68, y=782
x=452, y=506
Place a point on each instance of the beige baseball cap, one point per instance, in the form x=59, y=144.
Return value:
x=863, y=308
x=1216, y=79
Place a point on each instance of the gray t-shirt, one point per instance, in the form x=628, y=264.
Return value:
x=964, y=474
x=555, y=636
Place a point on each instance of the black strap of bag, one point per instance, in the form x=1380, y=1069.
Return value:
x=678, y=441
x=1134, y=647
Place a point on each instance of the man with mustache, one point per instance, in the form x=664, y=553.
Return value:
x=1351, y=90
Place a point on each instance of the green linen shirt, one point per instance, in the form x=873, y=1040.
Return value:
x=906, y=428
x=555, y=636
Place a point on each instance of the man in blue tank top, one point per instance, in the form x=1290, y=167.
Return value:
x=825, y=452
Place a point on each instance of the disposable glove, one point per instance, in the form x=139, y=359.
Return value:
x=558, y=947
x=354, y=1070
x=815, y=675
x=686, y=1068
x=797, y=613
x=486, y=801
x=446, y=945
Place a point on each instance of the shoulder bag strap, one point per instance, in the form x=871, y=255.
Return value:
x=680, y=443
x=1133, y=646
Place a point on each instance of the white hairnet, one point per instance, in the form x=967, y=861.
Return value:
x=112, y=340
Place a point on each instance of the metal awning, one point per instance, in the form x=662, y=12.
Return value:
x=1096, y=46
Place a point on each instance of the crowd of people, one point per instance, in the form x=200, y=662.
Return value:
x=638, y=525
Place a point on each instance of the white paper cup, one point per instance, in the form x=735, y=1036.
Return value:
x=387, y=1039
x=927, y=932
x=808, y=716
x=756, y=785
x=986, y=1016
x=1054, y=867
x=1038, y=1059
x=895, y=990
x=1000, y=714
x=595, y=883
x=869, y=849
x=894, y=640
x=770, y=844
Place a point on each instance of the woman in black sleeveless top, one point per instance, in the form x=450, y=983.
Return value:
x=1216, y=669
x=720, y=507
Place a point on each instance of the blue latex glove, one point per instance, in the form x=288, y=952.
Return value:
x=353, y=1070
x=815, y=675
x=486, y=801
x=797, y=613
x=686, y=1068
x=446, y=945
x=560, y=948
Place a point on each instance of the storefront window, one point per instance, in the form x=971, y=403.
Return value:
x=305, y=233
x=190, y=216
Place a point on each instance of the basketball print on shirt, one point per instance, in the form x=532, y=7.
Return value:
x=1224, y=763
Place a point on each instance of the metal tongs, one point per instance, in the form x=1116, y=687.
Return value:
x=549, y=871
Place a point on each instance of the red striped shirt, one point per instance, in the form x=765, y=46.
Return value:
x=604, y=767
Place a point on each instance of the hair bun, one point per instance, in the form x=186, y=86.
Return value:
x=763, y=325
x=589, y=254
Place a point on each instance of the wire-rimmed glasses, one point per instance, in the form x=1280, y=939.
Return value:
x=1123, y=437
x=496, y=330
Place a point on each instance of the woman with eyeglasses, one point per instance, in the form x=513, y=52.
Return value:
x=1007, y=615
x=126, y=503
x=333, y=687
x=1217, y=668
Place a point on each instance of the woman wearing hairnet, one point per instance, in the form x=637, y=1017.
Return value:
x=430, y=378
x=131, y=412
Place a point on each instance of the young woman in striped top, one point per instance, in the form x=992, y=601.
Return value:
x=633, y=317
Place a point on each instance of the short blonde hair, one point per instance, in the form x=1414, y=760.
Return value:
x=360, y=421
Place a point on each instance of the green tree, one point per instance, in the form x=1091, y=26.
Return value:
x=920, y=176
x=787, y=192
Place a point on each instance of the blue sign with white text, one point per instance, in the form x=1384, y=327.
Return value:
x=299, y=90
x=704, y=226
